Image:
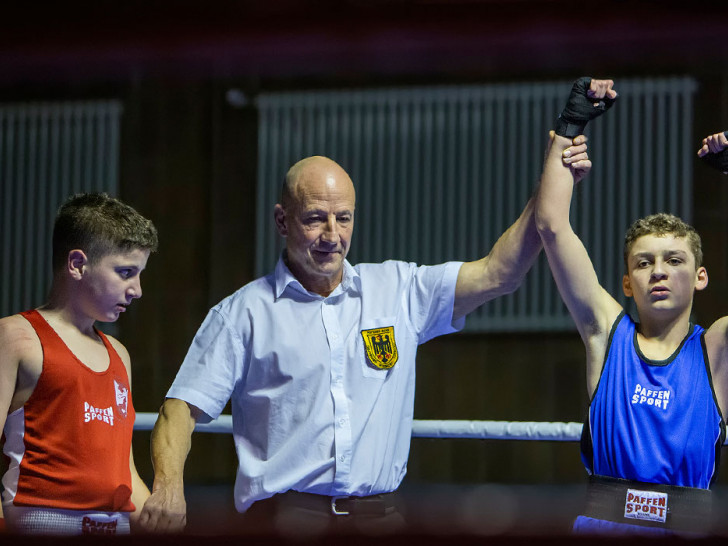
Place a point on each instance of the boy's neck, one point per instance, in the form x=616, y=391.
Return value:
x=61, y=310
x=658, y=339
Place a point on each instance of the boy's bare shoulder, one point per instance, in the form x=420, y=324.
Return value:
x=17, y=336
x=716, y=336
x=119, y=348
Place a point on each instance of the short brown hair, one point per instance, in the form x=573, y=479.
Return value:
x=99, y=225
x=661, y=224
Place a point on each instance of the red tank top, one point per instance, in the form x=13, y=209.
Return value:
x=77, y=431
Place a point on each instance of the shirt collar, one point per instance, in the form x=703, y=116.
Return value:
x=351, y=281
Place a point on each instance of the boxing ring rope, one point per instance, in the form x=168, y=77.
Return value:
x=482, y=430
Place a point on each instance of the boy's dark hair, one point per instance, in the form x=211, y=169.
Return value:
x=663, y=224
x=99, y=225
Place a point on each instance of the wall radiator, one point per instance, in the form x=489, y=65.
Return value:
x=442, y=171
x=48, y=151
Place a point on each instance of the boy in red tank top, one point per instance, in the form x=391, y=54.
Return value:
x=65, y=387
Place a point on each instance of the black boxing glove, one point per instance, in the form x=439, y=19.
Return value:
x=718, y=161
x=580, y=109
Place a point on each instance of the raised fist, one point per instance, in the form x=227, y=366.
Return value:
x=589, y=99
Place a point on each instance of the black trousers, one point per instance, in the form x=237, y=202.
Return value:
x=304, y=515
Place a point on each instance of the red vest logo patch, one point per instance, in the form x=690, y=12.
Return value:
x=122, y=397
x=381, y=347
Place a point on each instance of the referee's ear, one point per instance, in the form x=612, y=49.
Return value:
x=279, y=216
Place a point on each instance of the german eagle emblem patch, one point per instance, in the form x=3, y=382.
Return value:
x=380, y=346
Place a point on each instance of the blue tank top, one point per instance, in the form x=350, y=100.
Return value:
x=654, y=421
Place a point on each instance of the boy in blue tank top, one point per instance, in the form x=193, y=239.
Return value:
x=652, y=439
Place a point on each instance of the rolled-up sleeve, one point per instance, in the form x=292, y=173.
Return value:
x=432, y=299
x=212, y=366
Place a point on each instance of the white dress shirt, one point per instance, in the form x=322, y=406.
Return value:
x=311, y=410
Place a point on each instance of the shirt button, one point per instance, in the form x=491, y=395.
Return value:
x=342, y=422
x=342, y=458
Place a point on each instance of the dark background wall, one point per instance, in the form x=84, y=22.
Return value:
x=189, y=163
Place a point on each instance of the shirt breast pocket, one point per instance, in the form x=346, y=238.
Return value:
x=379, y=346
